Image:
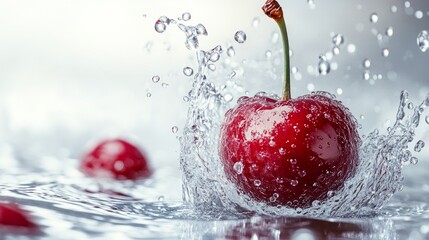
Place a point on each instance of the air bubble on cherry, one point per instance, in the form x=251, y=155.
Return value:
x=240, y=37
x=257, y=182
x=294, y=183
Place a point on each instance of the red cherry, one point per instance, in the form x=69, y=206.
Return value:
x=288, y=152
x=12, y=215
x=117, y=159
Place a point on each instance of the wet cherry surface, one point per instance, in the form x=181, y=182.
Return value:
x=289, y=152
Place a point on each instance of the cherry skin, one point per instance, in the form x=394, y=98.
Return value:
x=115, y=158
x=12, y=215
x=289, y=153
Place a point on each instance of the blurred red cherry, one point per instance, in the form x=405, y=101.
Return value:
x=115, y=158
x=13, y=215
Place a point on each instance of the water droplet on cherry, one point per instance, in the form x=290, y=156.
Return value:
x=238, y=167
x=294, y=183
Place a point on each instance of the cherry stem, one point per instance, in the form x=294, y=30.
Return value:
x=273, y=10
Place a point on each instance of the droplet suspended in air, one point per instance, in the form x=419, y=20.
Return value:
x=240, y=37
x=188, y=71
x=419, y=14
x=336, y=50
x=174, y=129
x=311, y=4
x=228, y=97
x=385, y=52
x=419, y=146
x=201, y=30
x=351, y=48
x=337, y=39
x=160, y=26
x=255, y=22
x=366, y=63
x=389, y=31
x=373, y=18
x=230, y=51
x=186, y=16
x=155, y=79
x=366, y=75
x=324, y=67
x=423, y=41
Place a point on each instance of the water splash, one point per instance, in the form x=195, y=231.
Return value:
x=378, y=177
